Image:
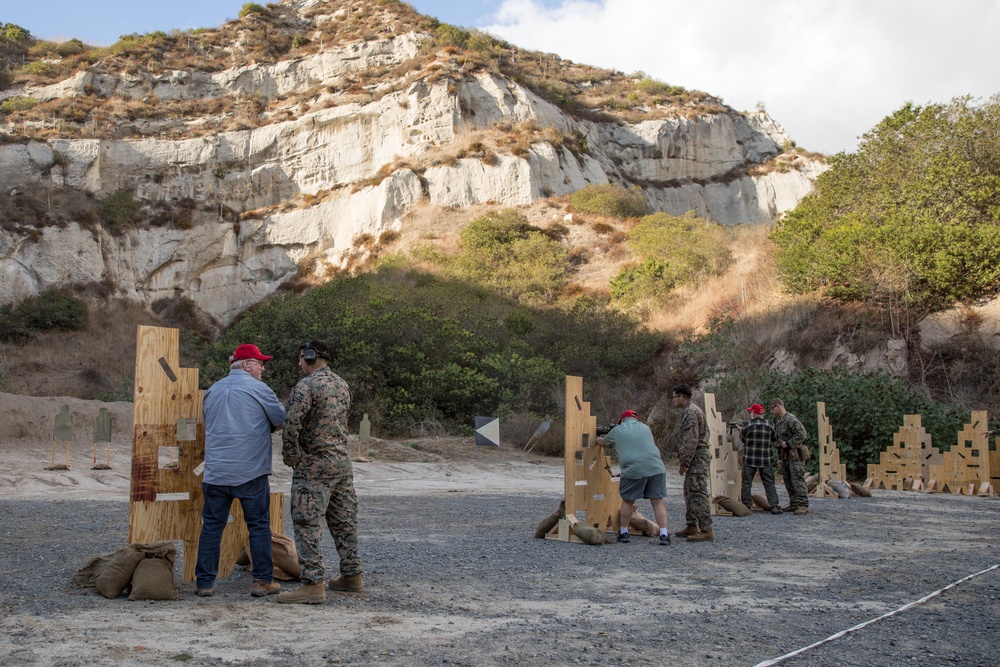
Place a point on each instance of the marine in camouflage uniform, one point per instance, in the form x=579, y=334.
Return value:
x=789, y=430
x=314, y=443
x=695, y=465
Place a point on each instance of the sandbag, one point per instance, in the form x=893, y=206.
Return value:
x=117, y=573
x=840, y=488
x=589, y=534
x=284, y=557
x=736, y=507
x=812, y=482
x=761, y=502
x=860, y=490
x=646, y=526
x=549, y=522
x=153, y=578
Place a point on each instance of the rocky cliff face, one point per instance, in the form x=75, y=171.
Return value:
x=269, y=197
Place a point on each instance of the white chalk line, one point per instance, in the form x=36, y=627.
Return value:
x=775, y=661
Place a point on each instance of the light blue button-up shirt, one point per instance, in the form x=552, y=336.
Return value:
x=238, y=413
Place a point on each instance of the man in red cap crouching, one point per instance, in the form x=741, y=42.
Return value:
x=758, y=456
x=643, y=474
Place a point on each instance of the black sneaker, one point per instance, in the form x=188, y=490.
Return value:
x=664, y=540
x=623, y=538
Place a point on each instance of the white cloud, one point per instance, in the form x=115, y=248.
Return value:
x=828, y=70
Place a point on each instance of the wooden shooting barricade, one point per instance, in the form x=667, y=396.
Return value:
x=902, y=466
x=724, y=480
x=965, y=468
x=168, y=451
x=589, y=484
x=830, y=466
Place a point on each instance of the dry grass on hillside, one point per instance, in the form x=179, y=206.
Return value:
x=748, y=291
x=97, y=361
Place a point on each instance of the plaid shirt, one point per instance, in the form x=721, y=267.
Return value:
x=757, y=436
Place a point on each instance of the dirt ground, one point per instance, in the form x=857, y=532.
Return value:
x=454, y=576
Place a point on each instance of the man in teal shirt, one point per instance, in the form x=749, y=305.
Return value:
x=643, y=474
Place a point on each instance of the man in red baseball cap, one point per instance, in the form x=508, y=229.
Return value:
x=643, y=474
x=758, y=437
x=239, y=412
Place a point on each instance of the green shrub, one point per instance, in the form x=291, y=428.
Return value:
x=449, y=35
x=10, y=32
x=70, y=47
x=613, y=201
x=12, y=104
x=865, y=410
x=673, y=249
x=656, y=88
x=503, y=252
x=119, y=209
x=53, y=309
x=411, y=345
x=252, y=8
x=910, y=220
x=37, y=68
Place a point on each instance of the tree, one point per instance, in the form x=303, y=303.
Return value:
x=910, y=220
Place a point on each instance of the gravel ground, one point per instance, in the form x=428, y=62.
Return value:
x=456, y=578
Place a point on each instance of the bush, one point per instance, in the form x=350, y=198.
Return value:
x=865, y=410
x=412, y=345
x=449, y=35
x=613, y=201
x=503, y=252
x=10, y=32
x=910, y=220
x=51, y=309
x=37, y=68
x=12, y=104
x=674, y=249
x=252, y=8
x=70, y=47
x=119, y=209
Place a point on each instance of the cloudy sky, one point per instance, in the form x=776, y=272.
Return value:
x=828, y=70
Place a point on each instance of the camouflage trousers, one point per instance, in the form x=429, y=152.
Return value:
x=794, y=474
x=699, y=513
x=332, y=498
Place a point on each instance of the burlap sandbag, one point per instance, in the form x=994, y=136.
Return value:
x=761, y=502
x=736, y=507
x=153, y=578
x=117, y=573
x=860, y=490
x=549, y=522
x=644, y=525
x=284, y=557
x=589, y=534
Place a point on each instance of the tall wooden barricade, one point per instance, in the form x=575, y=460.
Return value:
x=965, y=468
x=830, y=466
x=902, y=465
x=589, y=484
x=725, y=462
x=168, y=446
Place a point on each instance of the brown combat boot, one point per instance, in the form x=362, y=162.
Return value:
x=349, y=584
x=688, y=531
x=307, y=594
x=801, y=510
x=790, y=508
x=706, y=536
x=261, y=588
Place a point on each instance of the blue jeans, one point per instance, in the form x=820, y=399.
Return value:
x=255, y=499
